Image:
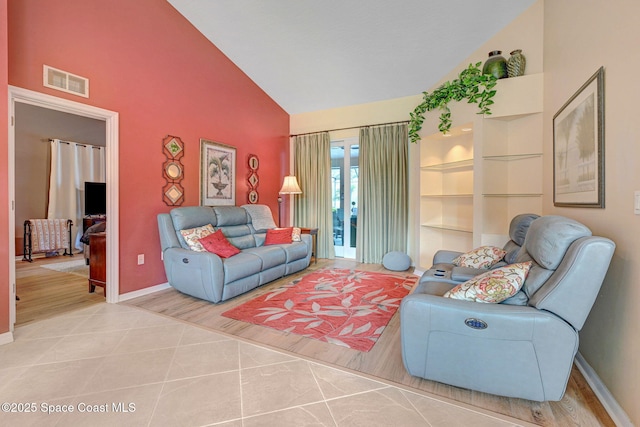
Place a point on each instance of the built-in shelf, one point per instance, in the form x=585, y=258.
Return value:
x=512, y=194
x=511, y=157
x=467, y=200
x=459, y=164
x=449, y=227
x=440, y=196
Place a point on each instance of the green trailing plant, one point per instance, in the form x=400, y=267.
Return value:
x=471, y=84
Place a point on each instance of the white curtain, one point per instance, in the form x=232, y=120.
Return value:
x=383, y=193
x=71, y=165
x=313, y=206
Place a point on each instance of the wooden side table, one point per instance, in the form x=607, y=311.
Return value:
x=97, y=261
x=314, y=242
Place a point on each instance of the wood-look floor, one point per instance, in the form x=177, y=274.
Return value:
x=46, y=293
x=579, y=407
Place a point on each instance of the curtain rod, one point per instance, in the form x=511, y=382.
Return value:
x=351, y=127
x=83, y=144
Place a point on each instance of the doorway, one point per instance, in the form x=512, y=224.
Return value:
x=23, y=96
x=344, y=195
x=50, y=283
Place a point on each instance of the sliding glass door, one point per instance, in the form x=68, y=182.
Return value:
x=344, y=193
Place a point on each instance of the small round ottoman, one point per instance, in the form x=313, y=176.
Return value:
x=396, y=261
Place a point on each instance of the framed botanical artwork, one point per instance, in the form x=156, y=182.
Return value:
x=578, y=147
x=217, y=174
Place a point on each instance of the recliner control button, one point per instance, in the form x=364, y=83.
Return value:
x=475, y=323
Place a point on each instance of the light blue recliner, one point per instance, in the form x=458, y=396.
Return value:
x=524, y=351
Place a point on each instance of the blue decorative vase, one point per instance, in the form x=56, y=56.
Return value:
x=496, y=65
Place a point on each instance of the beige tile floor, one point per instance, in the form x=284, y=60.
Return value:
x=115, y=365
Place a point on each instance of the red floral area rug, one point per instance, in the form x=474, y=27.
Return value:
x=345, y=307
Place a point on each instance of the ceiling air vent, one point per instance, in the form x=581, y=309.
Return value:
x=66, y=82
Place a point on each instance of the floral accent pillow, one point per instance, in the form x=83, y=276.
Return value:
x=193, y=235
x=482, y=257
x=494, y=286
x=295, y=234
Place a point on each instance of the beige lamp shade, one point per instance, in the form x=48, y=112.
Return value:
x=290, y=185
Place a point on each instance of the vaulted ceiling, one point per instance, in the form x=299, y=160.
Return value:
x=311, y=55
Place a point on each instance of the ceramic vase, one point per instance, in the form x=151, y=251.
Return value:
x=516, y=63
x=496, y=65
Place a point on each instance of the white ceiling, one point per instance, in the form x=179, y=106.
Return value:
x=314, y=55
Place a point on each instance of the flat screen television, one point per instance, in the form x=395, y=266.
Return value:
x=95, y=198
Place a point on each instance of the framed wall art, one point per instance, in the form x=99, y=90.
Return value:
x=217, y=174
x=578, y=147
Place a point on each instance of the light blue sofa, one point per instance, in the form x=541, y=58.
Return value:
x=523, y=351
x=205, y=275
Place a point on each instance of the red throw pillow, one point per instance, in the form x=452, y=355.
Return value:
x=278, y=236
x=218, y=244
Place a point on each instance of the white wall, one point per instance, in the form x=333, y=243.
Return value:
x=579, y=37
x=525, y=32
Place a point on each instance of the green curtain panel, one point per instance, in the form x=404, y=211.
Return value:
x=313, y=169
x=383, y=192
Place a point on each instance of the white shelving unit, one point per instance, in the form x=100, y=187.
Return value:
x=487, y=171
x=447, y=191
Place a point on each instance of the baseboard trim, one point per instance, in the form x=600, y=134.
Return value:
x=613, y=408
x=143, y=292
x=6, y=338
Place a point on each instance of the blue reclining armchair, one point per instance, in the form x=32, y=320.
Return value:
x=524, y=351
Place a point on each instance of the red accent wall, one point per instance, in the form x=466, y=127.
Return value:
x=4, y=190
x=149, y=64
